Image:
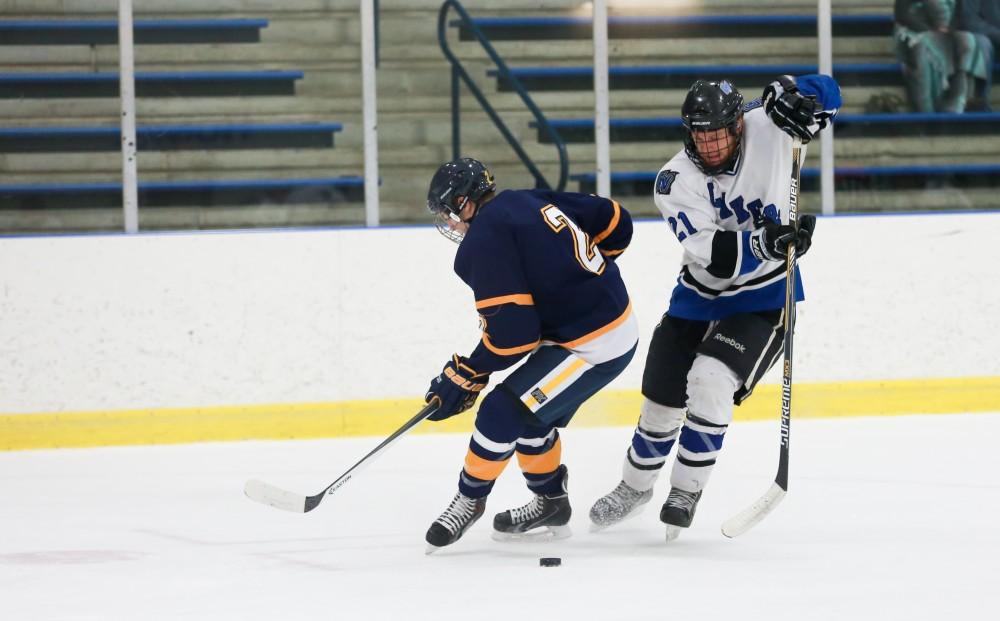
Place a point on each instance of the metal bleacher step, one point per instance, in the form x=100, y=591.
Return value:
x=179, y=193
x=845, y=126
x=681, y=76
x=149, y=84
x=169, y=137
x=146, y=31
x=673, y=26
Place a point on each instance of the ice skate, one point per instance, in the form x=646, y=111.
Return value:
x=678, y=511
x=617, y=506
x=456, y=519
x=545, y=517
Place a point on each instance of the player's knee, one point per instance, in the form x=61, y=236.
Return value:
x=710, y=387
x=659, y=418
x=499, y=417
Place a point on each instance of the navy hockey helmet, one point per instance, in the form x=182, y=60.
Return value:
x=465, y=177
x=711, y=106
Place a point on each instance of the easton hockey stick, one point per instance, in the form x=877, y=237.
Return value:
x=297, y=503
x=749, y=517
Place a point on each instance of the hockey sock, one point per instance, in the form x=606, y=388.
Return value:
x=498, y=427
x=539, y=458
x=700, y=443
x=645, y=457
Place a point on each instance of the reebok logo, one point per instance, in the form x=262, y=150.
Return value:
x=539, y=396
x=731, y=342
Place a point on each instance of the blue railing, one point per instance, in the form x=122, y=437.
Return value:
x=459, y=75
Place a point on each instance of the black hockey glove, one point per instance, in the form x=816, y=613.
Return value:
x=457, y=388
x=770, y=242
x=793, y=112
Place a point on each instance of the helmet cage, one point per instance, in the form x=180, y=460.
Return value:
x=466, y=178
x=712, y=106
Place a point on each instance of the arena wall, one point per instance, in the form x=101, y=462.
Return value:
x=236, y=335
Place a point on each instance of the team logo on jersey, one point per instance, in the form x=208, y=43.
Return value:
x=664, y=181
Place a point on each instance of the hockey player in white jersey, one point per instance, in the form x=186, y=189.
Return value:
x=725, y=198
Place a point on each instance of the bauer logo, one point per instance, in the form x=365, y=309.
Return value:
x=731, y=342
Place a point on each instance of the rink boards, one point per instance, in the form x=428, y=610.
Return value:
x=155, y=339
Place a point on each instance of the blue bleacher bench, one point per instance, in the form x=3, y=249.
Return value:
x=674, y=27
x=846, y=126
x=149, y=84
x=183, y=193
x=749, y=78
x=169, y=137
x=105, y=31
x=846, y=178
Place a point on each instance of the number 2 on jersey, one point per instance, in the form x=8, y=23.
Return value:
x=586, y=254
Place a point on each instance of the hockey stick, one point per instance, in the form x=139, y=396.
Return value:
x=290, y=501
x=749, y=517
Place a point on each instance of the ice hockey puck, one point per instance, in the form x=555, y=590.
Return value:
x=550, y=562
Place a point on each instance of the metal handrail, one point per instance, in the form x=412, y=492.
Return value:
x=458, y=72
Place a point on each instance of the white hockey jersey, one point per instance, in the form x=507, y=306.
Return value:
x=713, y=216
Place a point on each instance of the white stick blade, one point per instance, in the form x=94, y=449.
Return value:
x=268, y=494
x=749, y=517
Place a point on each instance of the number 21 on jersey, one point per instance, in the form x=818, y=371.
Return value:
x=586, y=254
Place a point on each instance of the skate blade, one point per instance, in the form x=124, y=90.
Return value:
x=673, y=532
x=431, y=549
x=548, y=533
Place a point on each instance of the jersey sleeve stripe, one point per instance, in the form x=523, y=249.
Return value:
x=586, y=338
x=615, y=217
x=612, y=253
x=521, y=299
x=508, y=351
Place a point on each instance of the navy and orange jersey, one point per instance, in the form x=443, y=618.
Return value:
x=541, y=267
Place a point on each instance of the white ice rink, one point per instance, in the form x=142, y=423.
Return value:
x=895, y=518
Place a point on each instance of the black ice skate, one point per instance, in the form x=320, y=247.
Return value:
x=678, y=511
x=456, y=519
x=546, y=516
x=620, y=504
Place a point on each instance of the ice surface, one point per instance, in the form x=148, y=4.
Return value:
x=893, y=518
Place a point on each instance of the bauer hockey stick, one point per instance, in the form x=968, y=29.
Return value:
x=749, y=517
x=297, y=503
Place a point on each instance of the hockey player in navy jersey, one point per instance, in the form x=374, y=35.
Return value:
x=725, y=198
x=549, y=295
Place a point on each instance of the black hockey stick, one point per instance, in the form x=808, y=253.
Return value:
x=290, y=501
x=749, y=517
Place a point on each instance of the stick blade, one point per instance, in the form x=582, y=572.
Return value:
x=268, y=494
x=752, y=515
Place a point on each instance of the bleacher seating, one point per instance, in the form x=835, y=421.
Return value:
x=146, y=31
x=846, y=126
x=747, y=77
x=150, y=84
x=182, y=193
x=170, y=137
x=675, y=27
x=75, y=185
x=870, y=69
